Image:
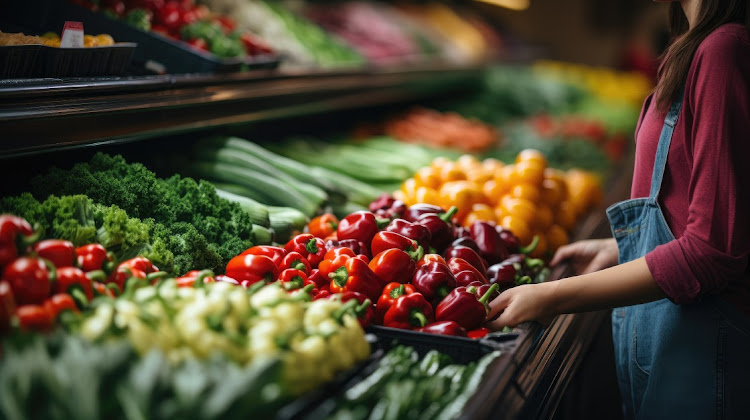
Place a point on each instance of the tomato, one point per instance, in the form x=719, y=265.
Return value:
x=451, y=172
x=428, y=177
x=529, y=172
x=29, y=278
x=519, y=208
x=541, y=249
x=492, y=165
x=519, y=227
x=565, y=216
x=480, y=212
x=532, y=155
x=553, y=192
x=58, y=303
x=544, y=217
x=169, y=16
x=227, y=23
x=427, y=195
x=409, y=190
x=468, y=163
x=34, y=318
x=492, y=191
x=556, y=237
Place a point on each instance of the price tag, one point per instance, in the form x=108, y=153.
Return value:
x=72, y=35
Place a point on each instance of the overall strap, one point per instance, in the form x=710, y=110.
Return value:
x=662, y=150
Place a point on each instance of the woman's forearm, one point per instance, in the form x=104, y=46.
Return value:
x=626, y=284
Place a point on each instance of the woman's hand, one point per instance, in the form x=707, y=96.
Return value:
x=531, y=302
x=588, y=256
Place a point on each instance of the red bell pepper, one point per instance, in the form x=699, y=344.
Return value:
x=458, y=265
x=415, y=211
x=365, y=312
x=444, y=328
x=387, y=207
x=252, y=268
x=391, y=293
x=441, y=233
x=320, y=281
x=491, y=247
x=391, y=240
x=7, y=305
x=15, y=233
x=73, y=281
x=503, y=274
x=410, y=230
x=60, y=253
x=30, y=278
x=101, y=289
x=94, y=257
x=310, y=247
x=275, y=253
x=482, y=288
x=34, y=318
x=334, y=259
x=428, y=258
x=321, y=294
x=293, y=279
x=197, y=278
x=296, y=261
x=408, y=311
x=138, y=267
x=360, y=226
x=58, y=303
x=478, y=333
x=465, y=241
x=434, y=280
x=467, y=254
x=355, y=276
x=359, y=248
x=462, y=306
x=323, y=226
x=393, y=265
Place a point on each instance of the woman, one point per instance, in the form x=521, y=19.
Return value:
x=683, y=348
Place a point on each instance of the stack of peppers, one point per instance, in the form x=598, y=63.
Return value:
x=41, y=280
x=423, y=271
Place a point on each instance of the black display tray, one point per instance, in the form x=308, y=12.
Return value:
x=154, y=54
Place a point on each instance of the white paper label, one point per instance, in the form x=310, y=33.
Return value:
x=72, y=35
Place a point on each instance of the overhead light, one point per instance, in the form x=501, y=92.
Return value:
x=509, y=4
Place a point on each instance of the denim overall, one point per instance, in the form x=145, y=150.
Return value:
x=689, y=361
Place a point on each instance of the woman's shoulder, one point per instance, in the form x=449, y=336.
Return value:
x=728, y=39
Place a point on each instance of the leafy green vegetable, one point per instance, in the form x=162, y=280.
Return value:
x=78, y=219
x=201, y=229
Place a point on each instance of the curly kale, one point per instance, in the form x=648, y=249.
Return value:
x=78, y=219
x=201, y=229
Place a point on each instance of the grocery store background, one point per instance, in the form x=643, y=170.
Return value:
x=296, y=109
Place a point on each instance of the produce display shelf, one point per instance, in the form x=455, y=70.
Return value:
x=47, y=114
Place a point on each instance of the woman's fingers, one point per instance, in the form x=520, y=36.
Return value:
x=499, y=304
x=564, y=252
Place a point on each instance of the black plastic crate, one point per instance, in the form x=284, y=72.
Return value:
x=84, y=62
x=18, y=61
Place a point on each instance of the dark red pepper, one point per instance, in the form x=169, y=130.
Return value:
x=60, y=253
x=355, y=276
x=15, y=233
x=296, y=261
x=408, y=311
x=197, y=278
x=30, y=278
x=466, y=277
x=73, y=281
x=439, y=226
x=511, y=241
x=391, y=240
x=7, y=305
x=387, y=207
x=465, y=241
x=360, y=226
x=252, y=268
x=393, y=265
x=307, y=245
x=482, y=288
x=320, y=281
x=410, y=230
x=459, y=265
x=444, y=328
x=391, y=292
x=365, y=312
x=503, y=274
x=358, y=247
x=467, y=254
x=478, y=333
x=434, y=280
x=94, y=257
x=138, y=267
x=275, y=253
x=462, y=306
x=491, y=247
x=415, y=211
x=321, y=293
x=293, y=279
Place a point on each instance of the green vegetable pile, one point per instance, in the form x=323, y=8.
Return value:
x=405, y=386
x=200, y=228
x=78, y=219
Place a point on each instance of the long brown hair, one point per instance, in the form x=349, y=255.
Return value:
x=677, y=58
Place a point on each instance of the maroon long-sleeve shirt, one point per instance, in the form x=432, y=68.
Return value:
x=705, y=195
